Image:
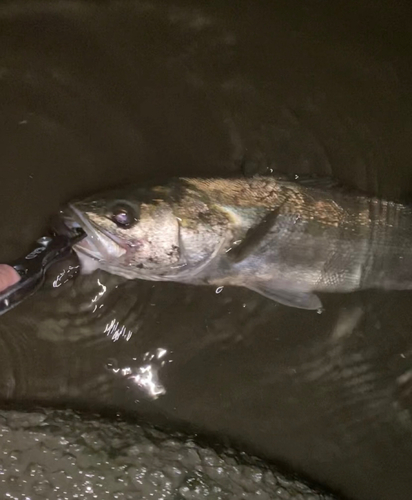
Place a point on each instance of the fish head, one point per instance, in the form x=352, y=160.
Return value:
x=156, y=233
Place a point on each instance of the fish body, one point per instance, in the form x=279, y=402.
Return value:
x=282, y=239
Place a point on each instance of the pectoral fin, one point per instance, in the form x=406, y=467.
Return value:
x=301, y=300
x=254, y=236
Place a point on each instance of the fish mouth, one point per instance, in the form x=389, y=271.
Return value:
x=98, y=244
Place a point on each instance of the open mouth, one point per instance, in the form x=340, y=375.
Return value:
x=98, y=245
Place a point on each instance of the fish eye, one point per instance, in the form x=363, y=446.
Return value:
x=124, y=216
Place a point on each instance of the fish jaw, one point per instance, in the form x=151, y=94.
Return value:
x=98, y=248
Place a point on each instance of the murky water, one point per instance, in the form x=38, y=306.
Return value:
x=95, y=95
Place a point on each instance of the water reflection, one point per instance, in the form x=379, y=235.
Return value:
x=99, y=295
x=94, y=307
x=148, y=380
x=117, y=331
x=145, y=375
x=65, y=275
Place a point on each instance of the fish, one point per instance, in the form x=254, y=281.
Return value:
x=286, y=240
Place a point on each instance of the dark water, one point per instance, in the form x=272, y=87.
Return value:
x=95, y=94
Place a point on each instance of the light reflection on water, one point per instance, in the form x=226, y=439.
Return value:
x=148, y=380
x=99, y=295
x=117, y=331
x=147, y=374
x=65, y=275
